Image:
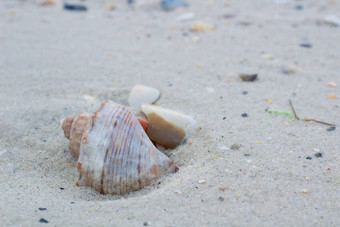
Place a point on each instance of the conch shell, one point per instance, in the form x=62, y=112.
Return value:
x=115, y=154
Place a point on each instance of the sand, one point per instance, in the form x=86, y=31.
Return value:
x=55, y=63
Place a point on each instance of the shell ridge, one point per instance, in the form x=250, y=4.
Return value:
x=118, y=147
x=112, y=141
x=127, y=155
x=117, y=177
x=107, y=126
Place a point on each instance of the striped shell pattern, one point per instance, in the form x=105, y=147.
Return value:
x=115, y=154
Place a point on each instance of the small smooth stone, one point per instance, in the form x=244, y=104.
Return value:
x=235, y=146
x=267, y=56
x=309, y=158
x=332, y=128
x=74, y=7
x=318, y=154
x=287, y=70
x=141, y=94
x=201, y=181
x=331, y=20
x=43, y=220
x=306, y=45
x=186, y=17
x=221, y=198
x=244, y=115
x=244, y=92
x=178, y=191
x=40, y=208
x=248, y=77
x=331, y=84
x=331, y=96
x=202, y=27
x=89, y=98
x=305, y=191
x=172, y=4
x=167, y=127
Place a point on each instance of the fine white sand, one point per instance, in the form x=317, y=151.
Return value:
x=55, y=63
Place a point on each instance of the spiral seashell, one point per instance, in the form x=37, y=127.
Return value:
x=115, y=154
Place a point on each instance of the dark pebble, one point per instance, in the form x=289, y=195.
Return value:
x=248, y=77
x=61, y=188
x=40, y=208
x=318, y=154
x=224, y=118
x=72, y=202
x=44, y=141
x=221, y=198
x=43, y=220
x=298, y=7
x=74, y=7
x=244, y=115
x=306, y=45
x=145, y=224
x=332, y=128
x=244, y=92
x=309, y=158
x=246, y=155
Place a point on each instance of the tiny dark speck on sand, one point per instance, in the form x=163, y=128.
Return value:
x=309, y=158
x=318, y=154
x=221, y=198
x=244, y=115
x=145, y=224
x=246, y=155
x=40, y=208
x=244, y=92
x=61, y=188
x=224, y=118
x=332, y=128
x=43, y=220
x=306, y=45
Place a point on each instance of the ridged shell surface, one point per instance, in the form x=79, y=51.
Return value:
x=116, y=156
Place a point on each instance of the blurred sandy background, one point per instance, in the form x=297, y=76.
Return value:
x=55, y=63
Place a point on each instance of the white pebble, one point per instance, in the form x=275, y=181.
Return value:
x=332, y=20
x=224, y=148
x=186, y=17
x=201, y=181
x=89, y=98
x=177, y=191
x=142, y=94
